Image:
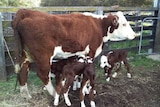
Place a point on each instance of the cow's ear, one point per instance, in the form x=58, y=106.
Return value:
x=115, y=22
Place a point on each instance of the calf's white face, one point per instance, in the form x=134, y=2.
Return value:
x=104, y=61
x=124, y=30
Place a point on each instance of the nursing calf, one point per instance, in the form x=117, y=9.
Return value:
x=74, y=66
x=113, y=58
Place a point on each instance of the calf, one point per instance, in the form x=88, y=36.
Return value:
x=57, y=66
x=76, y=66
x=111, y=59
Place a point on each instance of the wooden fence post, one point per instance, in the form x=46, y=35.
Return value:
x=157, y=36
x=2, y=54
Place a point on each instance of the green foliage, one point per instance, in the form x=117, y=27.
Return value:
x=127, y=3
x=17, y=3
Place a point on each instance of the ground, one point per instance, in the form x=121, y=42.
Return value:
x=142, y=90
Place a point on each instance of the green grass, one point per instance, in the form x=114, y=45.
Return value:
x=121, y=45
x=8, y=87
x=142, y=61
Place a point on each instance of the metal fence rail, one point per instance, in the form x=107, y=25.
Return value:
x=150, y=51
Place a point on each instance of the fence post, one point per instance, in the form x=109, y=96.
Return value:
x=157, y=36
x=2, y=54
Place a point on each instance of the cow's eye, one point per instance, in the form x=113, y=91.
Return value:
x=124, y=24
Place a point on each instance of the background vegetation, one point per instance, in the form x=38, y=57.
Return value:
x=128, y=3
x=137, y=3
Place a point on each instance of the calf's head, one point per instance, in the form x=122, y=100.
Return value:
x=104, y=62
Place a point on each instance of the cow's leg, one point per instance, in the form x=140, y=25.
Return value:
x=117, y=70
x=23, y=76
x=44, y=74
x=128, y=68
x=69, y=81
x=46, y=79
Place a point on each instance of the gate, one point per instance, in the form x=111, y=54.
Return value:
x=150, y=50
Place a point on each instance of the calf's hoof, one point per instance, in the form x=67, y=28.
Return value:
x=56, y=102
x=93, y=104
x=108, y=79
x=129, y=75
x=68, y=104
x=114, y=75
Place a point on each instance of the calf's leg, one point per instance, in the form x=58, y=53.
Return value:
x=91, y=93
x=69, y=81
x=128, y=68
x=82, y=91
x=117, y=70
x=58, y=91
x=109, y=74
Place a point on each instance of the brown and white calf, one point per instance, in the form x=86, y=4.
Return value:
x=74, y=66
x=111, y=59
x=57, y=66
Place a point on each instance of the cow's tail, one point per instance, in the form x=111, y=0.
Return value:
x=18, y=45
x=18, y=52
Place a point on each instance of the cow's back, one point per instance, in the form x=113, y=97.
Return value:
x=76, y=30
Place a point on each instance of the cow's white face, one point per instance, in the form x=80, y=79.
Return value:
x=104, y=61
x=124, y=30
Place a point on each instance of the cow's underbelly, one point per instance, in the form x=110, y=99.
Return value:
x=58, y=53
x=98, y=50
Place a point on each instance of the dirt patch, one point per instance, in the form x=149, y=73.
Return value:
x=155, y=57
x=142, y=90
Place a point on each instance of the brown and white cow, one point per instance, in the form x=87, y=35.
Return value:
x=109, y=61
x=40, y=37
